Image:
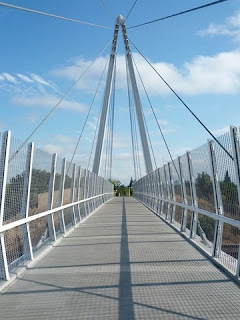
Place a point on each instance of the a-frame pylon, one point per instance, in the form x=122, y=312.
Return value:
x=102, y=125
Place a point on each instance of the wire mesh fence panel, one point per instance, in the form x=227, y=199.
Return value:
x=205, y=231
x=163, y=183
x=82, y=184
x=178, y=214
x=164, y=209
x=230, y=246
x=1, y=135
x=41, y=170
x=56, y=222
x=227, y=177
x=39, y=233
x=203, y=178
x=15, y=181
x=176, y=181
x=68, y=183
x=189, y=219
x=57, y=184
x=68, y=217
x=186, y=178
x=14, y=247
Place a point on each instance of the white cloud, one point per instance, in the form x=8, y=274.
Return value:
x=25, y=78
x=9, y=77
x=2, y=78
x=218, y=74
x=40, y=80
x=221, y=131
x=52, y=148
x=230, y=27
x=60, y=144
x=47, y=100
x=163, y=122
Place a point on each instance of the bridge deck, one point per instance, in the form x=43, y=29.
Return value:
x=122, y=263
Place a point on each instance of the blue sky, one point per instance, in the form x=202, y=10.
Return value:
x=41, y=57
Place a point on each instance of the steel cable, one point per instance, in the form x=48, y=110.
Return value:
x=51, y=15
x=159, y=127
x=60, y=101
x=178, y=14
x=181, y=100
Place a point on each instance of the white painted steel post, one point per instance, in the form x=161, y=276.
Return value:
x=51, y=224
x=168, y=191
x=217, y=243
x=194, y=222
x=27, y=242
x=236, y=157
x=85, y=191
x=61, y=197
x=95, y=191
x=184, y=196
x=238, y=263
x=4, y=273
x=172, y=193
x=78, y=191
x=72, y=194
x=160, y=193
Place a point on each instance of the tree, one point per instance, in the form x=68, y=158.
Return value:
x=204, y=186
x=131, y=182
x=227, y=178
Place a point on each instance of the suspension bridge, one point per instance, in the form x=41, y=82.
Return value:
x=71, y=249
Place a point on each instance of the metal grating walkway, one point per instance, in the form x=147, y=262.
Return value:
x=122, y=263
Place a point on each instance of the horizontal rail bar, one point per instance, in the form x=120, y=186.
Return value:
x=230, y=221
x=20, y=222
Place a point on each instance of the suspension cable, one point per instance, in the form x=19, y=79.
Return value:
x=51, y=15
x=181, y=100
x=113, y=113
x=130, y=116
x=178, y=14
x=87, y=117
x=107, y=9
x=134, y=131
x=94, y=139
x=94, y=97
x=130, y=11
x=60, y=101
x=155, y=116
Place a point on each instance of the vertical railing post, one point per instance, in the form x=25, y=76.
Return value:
x=4, y=273
x=236, y=157
x=184, y=196
x=78, y=191
x=217, y=243
x=94, y=191
x=168, y=192
x=72, y=194
x=172, y=193
x=27, y=243
x=51, y=224
x=61, y=197
x=98, y=191
x=194, y=222
x=151, y=187
x=85, y=191
x=160, y=194
x=154, y=190
x=90, y=192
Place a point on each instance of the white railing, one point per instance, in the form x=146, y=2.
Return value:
x=41, y=196
x=199, y=194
